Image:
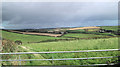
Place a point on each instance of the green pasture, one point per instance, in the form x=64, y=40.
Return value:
x=114, y=28
x=80, y=35
x=35, y=38
x=73, y=45
x=93, y=44
x=26, y=38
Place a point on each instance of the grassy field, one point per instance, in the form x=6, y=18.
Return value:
x=114, y=28
x=92, y=44
x=80, y=35
x=35, y=38
x=26, y=38
x=111, y=43
x=73, y=45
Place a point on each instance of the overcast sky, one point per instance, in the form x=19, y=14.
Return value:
x=22, y=15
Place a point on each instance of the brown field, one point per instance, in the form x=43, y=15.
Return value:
x=84, y=28
x=53, y=35
x=44, y=34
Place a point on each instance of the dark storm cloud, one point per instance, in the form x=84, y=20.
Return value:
x=57, y=14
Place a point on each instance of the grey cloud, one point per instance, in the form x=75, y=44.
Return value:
x=63, y=14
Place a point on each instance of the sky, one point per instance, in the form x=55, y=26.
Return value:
x=36, y=15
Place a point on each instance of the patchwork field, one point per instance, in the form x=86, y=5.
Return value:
x=26, y=38
x=68, y=42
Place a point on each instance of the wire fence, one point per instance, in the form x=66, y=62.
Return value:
x=61, y=51
x=86, y=58
x=60, y=59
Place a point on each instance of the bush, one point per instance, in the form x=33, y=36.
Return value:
x=7, y=47
x=18, y=42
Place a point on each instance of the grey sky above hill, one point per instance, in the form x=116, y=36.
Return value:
x=22, y=15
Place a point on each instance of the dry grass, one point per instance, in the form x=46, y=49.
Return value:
x=84, y=28
x=44, y=34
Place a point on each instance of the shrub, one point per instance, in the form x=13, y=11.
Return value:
x=18, y=42
x=7, y=47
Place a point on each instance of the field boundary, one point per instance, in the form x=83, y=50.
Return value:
x=61, y=59
x=61, y=51
x=56, y=40
x=86, y=58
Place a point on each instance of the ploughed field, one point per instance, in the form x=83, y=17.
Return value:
x=68, y=42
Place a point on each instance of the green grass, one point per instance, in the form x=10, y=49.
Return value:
x=82, y=55
x=75, y=31
x=26, y=38
x=74, y=45
x=114, y=28
x=93, y=44
x=79, y=35
x=110, y=43
x=35, y=38
x=93, y=33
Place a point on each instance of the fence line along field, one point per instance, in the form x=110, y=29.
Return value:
x=71, y=41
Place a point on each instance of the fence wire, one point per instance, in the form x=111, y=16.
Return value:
x=61, y=52
x=60, y=59
x=20, y=53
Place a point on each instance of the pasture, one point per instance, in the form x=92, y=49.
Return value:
x=75, y=45
x=78, y=35
x=26, y=38
x=114, y=28
x=38, y=38
x=110, y=41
